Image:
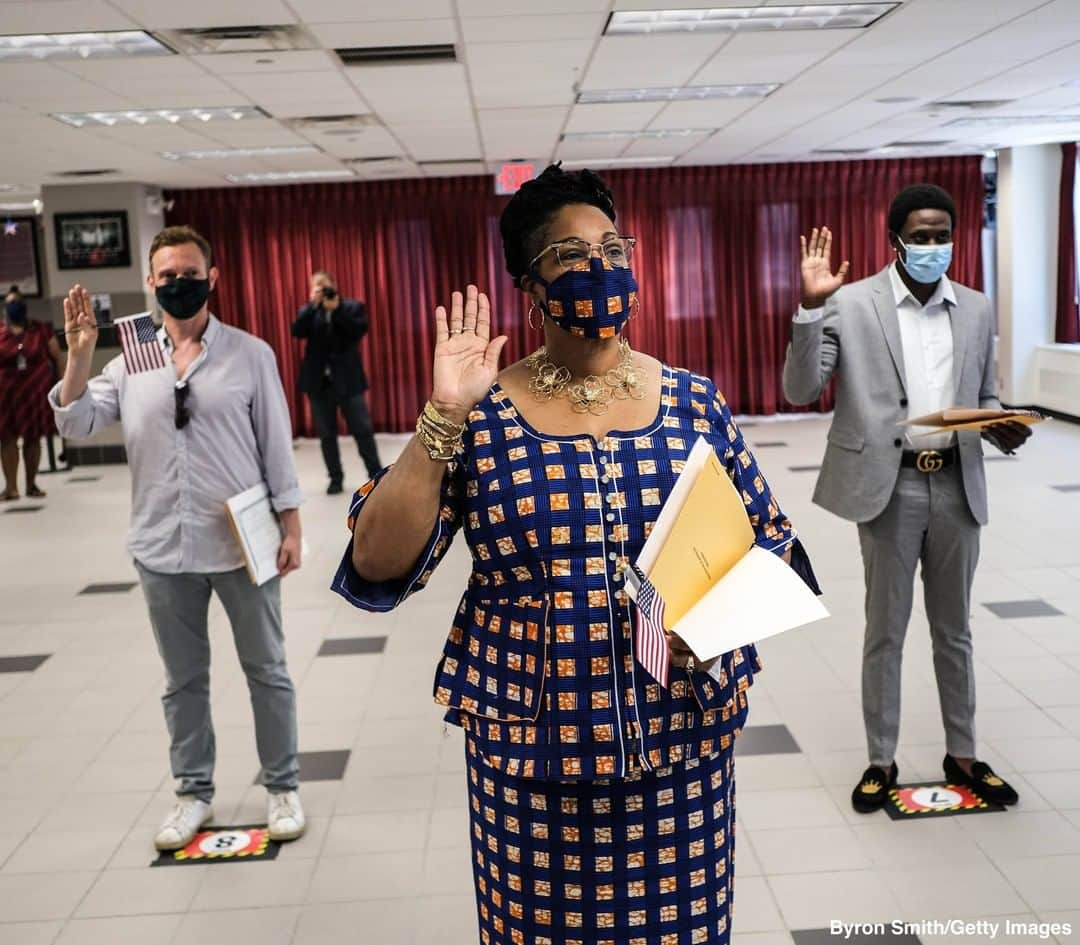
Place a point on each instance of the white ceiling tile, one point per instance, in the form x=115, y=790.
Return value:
x=703, y=114
x=454, y=169
x=621, y=116
x=663, y=147
x=291, y=87
x=436, y=92
x=440, y=141
x=508, y=75
x=168, y=95
x=385, y=33
x=770, y=57
x=335, y=11
x=635, y=61
x=61, y=16
x=468, y=8
x=168, y=14
x=372, y=143
x=521, y=133
x=239, y=135
x=299, y=60
x=509, y=29
x=350, y=104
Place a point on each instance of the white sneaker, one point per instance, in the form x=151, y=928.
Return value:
x=183, y=822
x=284, y=816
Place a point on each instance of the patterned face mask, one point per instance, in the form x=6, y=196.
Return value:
x=591, y=300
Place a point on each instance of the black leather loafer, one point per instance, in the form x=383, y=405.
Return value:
x=982, y=781
x=872, y=791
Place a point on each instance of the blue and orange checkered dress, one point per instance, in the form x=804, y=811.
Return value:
x=602, y=804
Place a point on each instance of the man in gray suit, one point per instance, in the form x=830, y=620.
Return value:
x=906, y=342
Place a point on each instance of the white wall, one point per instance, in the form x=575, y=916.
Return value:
x=1029, y=182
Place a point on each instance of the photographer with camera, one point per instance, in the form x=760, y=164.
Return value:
x=332, y=375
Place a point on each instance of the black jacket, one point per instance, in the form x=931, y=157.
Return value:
x=332, y=345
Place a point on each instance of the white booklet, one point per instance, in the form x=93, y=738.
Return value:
x=257, y=529
x=746, y=594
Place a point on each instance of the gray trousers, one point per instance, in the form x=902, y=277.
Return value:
x=927, y=520
x=179, y=604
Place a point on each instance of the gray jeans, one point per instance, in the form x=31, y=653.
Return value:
x=927, y=520
x=178, y=605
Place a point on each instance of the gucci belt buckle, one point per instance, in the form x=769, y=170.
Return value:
x=929, y=461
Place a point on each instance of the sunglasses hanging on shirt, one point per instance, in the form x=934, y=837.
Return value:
x=183, y=415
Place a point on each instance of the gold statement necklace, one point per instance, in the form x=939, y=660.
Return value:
x=596, y=392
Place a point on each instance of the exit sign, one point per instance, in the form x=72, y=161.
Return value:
x=510, y=177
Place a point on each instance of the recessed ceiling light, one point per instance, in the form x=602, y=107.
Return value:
x=619, y=161
x=40, y=46
x=260, y=177
x=809, y=16
x=619, y=135
x=689, y=93
x=157, y=116
x=214, y=154
x=22, y=205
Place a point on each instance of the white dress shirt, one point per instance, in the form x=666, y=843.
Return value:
x=927, y=342
x=239, y=435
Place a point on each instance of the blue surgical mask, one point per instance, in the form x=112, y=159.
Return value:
x=926, y=264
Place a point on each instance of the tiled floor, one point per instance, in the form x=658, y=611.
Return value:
x=83, y=754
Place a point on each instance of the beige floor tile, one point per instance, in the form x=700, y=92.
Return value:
x=813, y=900
x=166, y=889
x=754, y=908
x=933, y=892
x=387, y=922
x=383, y=832
x=141, y=929
x=29, y=933
x=809, y=850
x=277, y=882
x=26, y=897
x=367, y=876
x=1047, y=883
x=64, y=852
x=265, y=926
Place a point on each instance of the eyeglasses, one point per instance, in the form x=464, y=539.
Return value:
x=569, y=253
x=183, y=415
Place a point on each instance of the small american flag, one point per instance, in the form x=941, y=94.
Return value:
x=138, y=338
x=651, y=642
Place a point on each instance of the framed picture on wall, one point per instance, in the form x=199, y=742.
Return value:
x=20, y=264
x=95, y=240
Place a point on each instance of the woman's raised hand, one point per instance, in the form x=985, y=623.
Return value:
x=80, y=323
x=818, y=279
x=466, y=356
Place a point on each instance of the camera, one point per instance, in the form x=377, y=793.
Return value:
x=329, y=292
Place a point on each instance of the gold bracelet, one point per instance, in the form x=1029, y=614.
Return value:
x=440, y=437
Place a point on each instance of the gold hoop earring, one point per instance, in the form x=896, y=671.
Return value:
x=532, y=309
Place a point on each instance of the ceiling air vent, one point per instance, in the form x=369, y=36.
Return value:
x=838, y=152
x=238, y=39
x=381, y=166
x=976, y=105
x=333, y=124
x=92, y=172
x=397, y=55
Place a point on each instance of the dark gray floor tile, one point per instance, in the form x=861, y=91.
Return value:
x=804, y=468
x=761, y=446
x=1070, y=487
x=322, y=765
x=120, y=587
x=85, y=479
x=1014, y=609
x=347, y=646
x=24, y=509
x=999, y=459
x=22, y=664
x=825, y=937
x=766, y=740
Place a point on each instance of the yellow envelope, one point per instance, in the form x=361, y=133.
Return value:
x=709, y=536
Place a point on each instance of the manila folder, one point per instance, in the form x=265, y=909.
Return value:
x=258, y=531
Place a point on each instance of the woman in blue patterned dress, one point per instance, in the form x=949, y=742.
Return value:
x=601, y=798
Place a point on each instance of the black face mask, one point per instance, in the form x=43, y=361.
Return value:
x=16, y=312
x=183, y=298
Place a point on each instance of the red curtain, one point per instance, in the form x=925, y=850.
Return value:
x=1068, y=313
x=717, y=262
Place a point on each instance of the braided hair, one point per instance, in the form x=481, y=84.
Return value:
x=524, y=222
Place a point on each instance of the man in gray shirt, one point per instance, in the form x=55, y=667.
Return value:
x=210, y=423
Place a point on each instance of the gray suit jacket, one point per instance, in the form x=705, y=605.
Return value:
x=859, y=336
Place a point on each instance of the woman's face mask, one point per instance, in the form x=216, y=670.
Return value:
x=16, y=312
x=592, y=299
